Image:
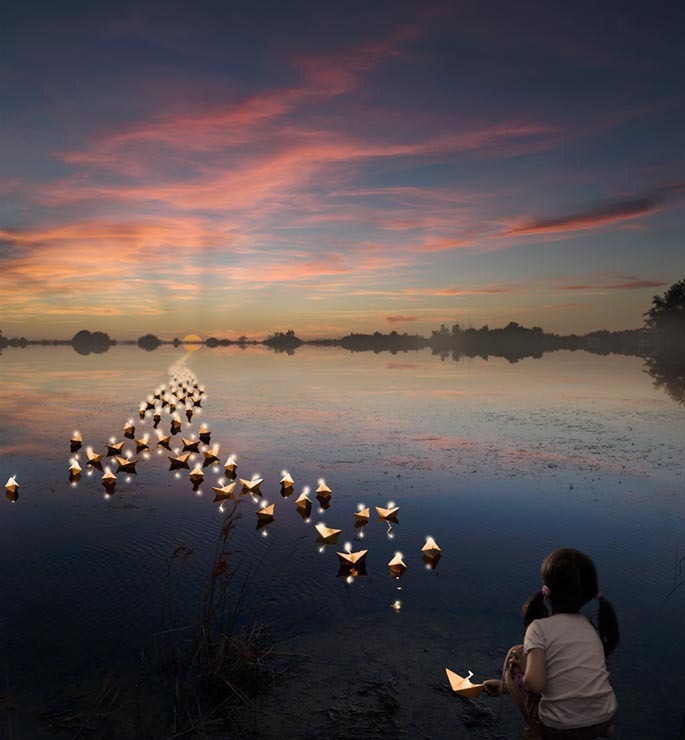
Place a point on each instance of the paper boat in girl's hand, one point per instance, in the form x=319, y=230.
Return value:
x=251, y=486
x=179, y=461
x=12, y=486
x=196, y=474
x=114, y=448
x=287, y=480
x=190, y=445
x=388, y=514
x=326, y=534
x=397, y=565
x=266, y=512
x=463, y=686
x=223, y=492
x=431, y=549
x=126, y=464
x=211, y=456
x=323, y=490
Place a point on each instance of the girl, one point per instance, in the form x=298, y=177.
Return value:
x=559, y=676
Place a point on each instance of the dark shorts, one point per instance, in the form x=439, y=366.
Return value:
x=529, y=704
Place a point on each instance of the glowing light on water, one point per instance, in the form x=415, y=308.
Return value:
x=396, y=605
x=347, y=547
x=349, y=579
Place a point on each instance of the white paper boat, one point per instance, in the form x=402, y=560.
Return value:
x=463, y=686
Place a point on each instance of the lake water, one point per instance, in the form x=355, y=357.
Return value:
x=499, y=462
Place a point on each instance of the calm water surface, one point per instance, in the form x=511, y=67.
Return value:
x=500, y=463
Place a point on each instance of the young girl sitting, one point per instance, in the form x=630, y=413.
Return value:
x=559, y=677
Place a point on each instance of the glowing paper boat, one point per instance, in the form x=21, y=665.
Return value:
x=326, y=534
x=211, y=456
x=142, y=444
x=223, y=492
x=388, y=514
x=397, y=565
x=12, y=486
x=109, y=480
x=190, y=445
x=350, y=559
x=129, y=430
x=287, y=480
x=76, y=441
x=75, y=469
x=230, y=466
x=114, y=448
x=431, y=549
x=157, y=416
x=266, y=512
x=126, y=464
x=189, y=414
x=196, y=474
x=204, y=434
x=323, y=490
x=176, y=425
x=163, y=441
x=362, y=516
x=93, y=458
x=303, y=502
x=141, y=411
x=463, y=686
x=179, y=461
x=251, y=486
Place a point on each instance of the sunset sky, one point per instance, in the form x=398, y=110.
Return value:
x=236, y=168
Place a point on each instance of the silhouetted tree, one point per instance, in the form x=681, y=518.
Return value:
x=667, y=314
x=85, y=342
x=149, y=342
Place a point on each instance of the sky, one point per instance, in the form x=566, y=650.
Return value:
x=229, y=168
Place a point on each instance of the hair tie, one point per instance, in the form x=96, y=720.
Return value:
x=545, y=592
x=598, y=595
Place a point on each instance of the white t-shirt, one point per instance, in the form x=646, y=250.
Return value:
x=577, y=692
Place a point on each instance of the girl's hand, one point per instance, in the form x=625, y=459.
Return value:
x=518, y=658
x=493, y=687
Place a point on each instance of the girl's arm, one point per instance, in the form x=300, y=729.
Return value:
x=535, y=671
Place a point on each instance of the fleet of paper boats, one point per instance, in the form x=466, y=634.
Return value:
x=183, y=396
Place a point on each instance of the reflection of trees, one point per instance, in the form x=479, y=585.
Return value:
x=668, y=372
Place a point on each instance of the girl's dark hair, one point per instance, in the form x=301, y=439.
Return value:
x=571, y=578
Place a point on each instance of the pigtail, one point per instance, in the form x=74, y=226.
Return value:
x=534, y=608
x=607, y=624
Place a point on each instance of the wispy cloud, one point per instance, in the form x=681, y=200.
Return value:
x=596, y=216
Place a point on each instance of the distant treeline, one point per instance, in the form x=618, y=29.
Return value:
x=512, y=341
x=663, y=334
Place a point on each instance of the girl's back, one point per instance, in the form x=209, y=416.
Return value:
x=577, y=692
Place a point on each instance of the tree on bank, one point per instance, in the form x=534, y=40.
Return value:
x=85, y=342
x=667, y=314
x=149, y=342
